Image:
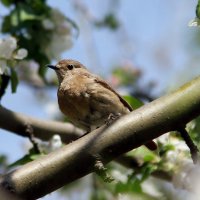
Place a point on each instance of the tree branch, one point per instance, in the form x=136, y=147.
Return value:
x=19, y=123
x=193, y=148
x=5, y=195
x=77, y=159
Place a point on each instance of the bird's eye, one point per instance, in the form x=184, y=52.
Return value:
x=70, y=67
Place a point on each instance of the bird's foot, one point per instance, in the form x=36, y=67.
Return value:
x=111, y=118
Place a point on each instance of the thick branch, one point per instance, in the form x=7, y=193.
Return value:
x=77, y=159
x=43, y=129
x=5, y=195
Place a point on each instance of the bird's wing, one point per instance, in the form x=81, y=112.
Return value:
x=150, y=144
x=104, y=84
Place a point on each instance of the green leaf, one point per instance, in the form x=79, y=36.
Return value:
x=103, y=172
x=149, y=157
x=146, y=171
x=126, y=76
x=3, y=159
x=165, y=148
x=98, y=195
x=14, y=80
x=27, y=16
x=20, y=15
x=135, y=103
x=6, y=24
x=132, y=185
x=121, y=188
x=42, y=71
x=198, y=10
x=14, y=17
x=21, y=161
x=7, y=3
x=111, y=21
x=35, y=156
x=27, y=158
x=137, y=186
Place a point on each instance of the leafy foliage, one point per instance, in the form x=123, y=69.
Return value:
x=126, y=75
x=109, y=21
x=41, y=30
x=194, y=130
x=32, y=155
x=134, y=102
x=198, y=10
x=25, y=23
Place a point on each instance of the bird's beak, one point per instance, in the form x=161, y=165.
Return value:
x=52, y=67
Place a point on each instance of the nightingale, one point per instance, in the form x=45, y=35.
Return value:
x=86, y=99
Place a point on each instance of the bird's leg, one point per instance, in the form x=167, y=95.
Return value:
x=111, y=118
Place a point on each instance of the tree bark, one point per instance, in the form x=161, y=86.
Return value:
x=78, y=158
x=19, y=123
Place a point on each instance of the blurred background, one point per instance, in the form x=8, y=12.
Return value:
x=142, y=48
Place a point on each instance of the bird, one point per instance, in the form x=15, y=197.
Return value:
x=86, y=99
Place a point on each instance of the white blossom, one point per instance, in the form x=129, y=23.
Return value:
x=187, y=177
x=123, y=196
x=58, y=45
x=48, y=24
x=194, y=22
x=179, y=145
x=61, y=37
x=9, y=52
x=7, y=46
x=55, y=143
x=164, y=138
x=3, y=66
x=21, y=53
x=27, y=70
x=119, y=176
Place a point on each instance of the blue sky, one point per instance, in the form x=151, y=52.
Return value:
x=151, y=28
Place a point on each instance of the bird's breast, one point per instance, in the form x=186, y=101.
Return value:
x=74, y=103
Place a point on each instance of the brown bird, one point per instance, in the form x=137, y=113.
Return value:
x=86, y=99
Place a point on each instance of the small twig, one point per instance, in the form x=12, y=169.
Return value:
x=29, y=130
x=193, y=148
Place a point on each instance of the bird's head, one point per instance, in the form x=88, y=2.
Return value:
x=66, y=67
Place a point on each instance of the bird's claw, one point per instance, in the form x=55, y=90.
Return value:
x=112, y=117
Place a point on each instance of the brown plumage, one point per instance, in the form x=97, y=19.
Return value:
x=86, y=99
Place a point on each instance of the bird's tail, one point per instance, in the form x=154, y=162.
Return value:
x=151, y=145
